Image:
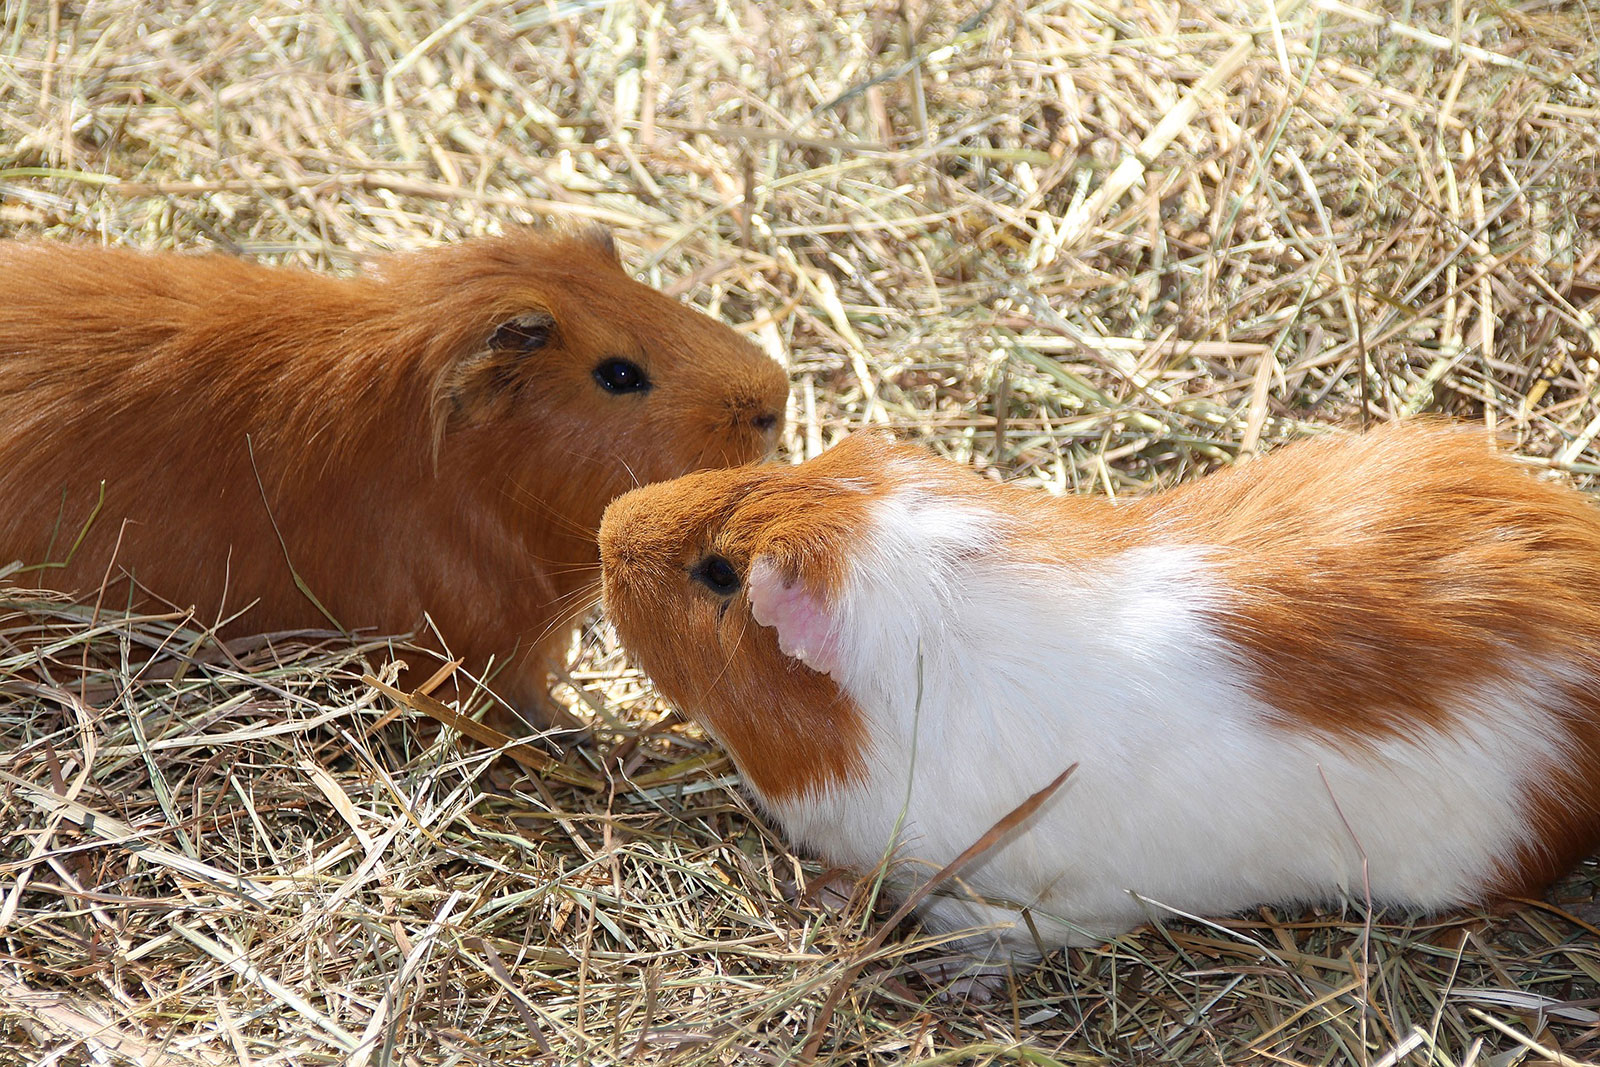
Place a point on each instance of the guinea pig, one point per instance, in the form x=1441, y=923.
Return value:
x=281, y=450
x=1357, y=668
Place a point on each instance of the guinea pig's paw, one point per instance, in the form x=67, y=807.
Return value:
x=804, y=627
x=962, y=979
x=831, y=891
x=1588, y=911
x=540, y=722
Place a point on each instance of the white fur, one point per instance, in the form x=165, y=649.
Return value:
x=1189, y=792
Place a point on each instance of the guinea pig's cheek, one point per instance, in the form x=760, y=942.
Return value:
x=804, y=628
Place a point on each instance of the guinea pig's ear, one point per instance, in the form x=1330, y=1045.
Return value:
x=603, y=242
x=481, y=382
x=805, y=626
x=523, y=333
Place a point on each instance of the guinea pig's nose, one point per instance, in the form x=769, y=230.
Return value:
x=615, y=525
x=766, y=422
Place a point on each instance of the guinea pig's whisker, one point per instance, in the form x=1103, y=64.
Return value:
x=551, y=565
x=589, y=594
x=527, y=498
x=571, y=617
x=727, y=661
x=634, y=478
x=571, y=568
x=700, y=457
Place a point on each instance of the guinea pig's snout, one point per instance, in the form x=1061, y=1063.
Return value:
x=764, y=415
x=626, y=545
x=616, y=547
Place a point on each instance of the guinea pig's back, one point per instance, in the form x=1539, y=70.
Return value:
x=137, y=383
x=1413, y=539
x=63, y=300
x=90, y=333
x=1414, y=582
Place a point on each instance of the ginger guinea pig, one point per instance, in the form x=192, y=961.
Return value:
x=1364, y=660
x=439, y=435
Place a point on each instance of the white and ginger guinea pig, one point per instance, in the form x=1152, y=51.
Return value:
x=440, y=435
x=1364, y=660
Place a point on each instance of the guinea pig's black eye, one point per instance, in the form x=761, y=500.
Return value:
x=621, y=376
x=717, y=575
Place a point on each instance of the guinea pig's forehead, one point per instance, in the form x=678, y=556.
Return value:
x=702, y=501
x=800, y=506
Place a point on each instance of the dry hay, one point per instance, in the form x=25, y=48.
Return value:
x=1100, y=247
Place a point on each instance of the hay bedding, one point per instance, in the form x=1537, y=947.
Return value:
x=1100, y=247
